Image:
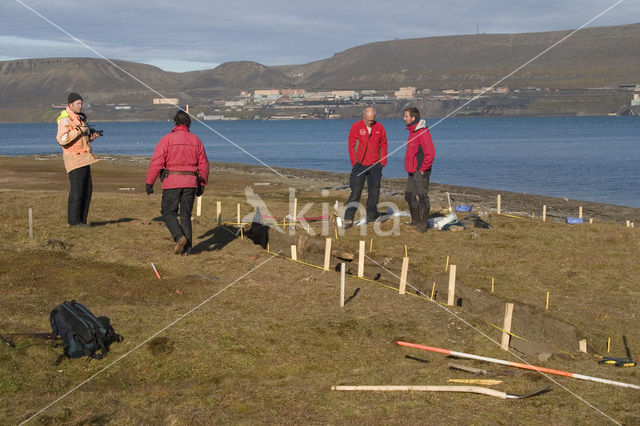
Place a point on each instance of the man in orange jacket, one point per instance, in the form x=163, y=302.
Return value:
x=74, y=136
x=368, y=155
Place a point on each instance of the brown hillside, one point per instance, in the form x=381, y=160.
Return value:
x=594, y=57
x=241, y=75
x=49, y=80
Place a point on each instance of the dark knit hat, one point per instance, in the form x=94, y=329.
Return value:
x=73, y=96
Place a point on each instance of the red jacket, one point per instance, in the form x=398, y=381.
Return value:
x=367, y=149
x=419, y=148
x=179, y=151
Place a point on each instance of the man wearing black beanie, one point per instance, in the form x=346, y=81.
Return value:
x=74, y=136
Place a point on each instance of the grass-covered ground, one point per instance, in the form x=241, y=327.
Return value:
x=271, y=339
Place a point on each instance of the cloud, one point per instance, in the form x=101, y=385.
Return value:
x=199, y=32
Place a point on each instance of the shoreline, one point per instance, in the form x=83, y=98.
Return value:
x=484, y=201
x=382, y=117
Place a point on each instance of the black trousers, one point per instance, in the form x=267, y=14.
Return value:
x=373, y=175
x=172, y=201
x=416, y=190
x=80, y=190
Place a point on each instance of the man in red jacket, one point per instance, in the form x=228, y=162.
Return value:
x=182, y=155
x=368, y=154
x=418, y=159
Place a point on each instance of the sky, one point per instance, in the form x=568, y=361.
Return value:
x=188, y=35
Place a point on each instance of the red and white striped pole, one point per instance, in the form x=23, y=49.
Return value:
x=516, y=364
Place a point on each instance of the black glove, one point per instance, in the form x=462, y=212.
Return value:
x=199, y=190
x=149, y=189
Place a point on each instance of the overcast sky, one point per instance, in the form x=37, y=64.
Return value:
x=186, y=35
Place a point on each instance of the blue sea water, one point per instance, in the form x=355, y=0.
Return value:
x=586, y=158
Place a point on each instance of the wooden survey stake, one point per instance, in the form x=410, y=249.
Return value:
x=403, y=275
x=327, y=253
x=294, y=254
x=342, y=285
x=452, y=285
x=361, y=259
x=198, y=205
x=499, y=204
x=294, y=213
x=30, y=223
x=506, y=328
x=544, y=213
x=546, y=306
x=219, y=212
x=583, y=345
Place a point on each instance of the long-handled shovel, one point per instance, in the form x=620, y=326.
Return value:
x=467, y=389
x=517, y=364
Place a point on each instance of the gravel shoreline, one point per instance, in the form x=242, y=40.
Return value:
x=482, y=200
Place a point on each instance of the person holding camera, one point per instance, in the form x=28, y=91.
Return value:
x=181, y=162
x=74, y=136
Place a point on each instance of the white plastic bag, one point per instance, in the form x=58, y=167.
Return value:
x=440, y=222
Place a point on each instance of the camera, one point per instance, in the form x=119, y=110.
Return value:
x=92, y=131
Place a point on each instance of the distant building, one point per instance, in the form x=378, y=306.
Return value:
x=165, y=101
x=502, y=90
x=282, y=117
x=318, y=95
x=266, y=92
x=408, y=92
x=636, y=99
x=122, y=107
x=345, y=94
x=240, y=103
x=293, y=93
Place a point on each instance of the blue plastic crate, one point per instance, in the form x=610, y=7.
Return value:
x=574, y=220
x=463, y=208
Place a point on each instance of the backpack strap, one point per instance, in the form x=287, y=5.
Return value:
x=95, y=326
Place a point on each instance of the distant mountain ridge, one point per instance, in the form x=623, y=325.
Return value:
x=593, y=57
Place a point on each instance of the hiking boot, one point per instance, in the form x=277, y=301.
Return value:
x=415, y=216
x=80, y=225
x=182, y=242
x=423, y=218
x=347, y=224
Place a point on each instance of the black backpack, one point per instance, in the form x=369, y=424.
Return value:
x=82, y=332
